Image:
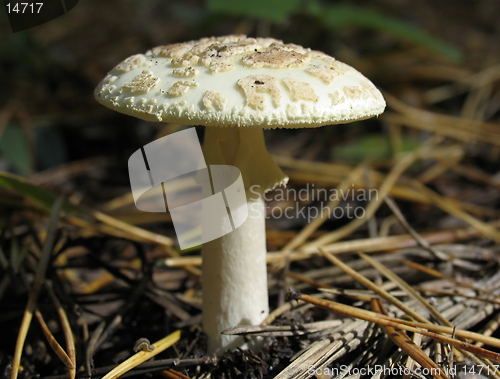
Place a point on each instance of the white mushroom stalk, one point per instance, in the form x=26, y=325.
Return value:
x=234, y=265
x=238, y=86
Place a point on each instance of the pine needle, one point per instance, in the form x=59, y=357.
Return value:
x=37, y=283
x=143, y=356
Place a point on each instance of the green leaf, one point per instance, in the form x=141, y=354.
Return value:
x=14, y=148
x=373, y=146
x=270, y=10
x=37, y=194
x=341, y=16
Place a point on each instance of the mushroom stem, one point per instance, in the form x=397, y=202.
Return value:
x=235, y=281
x=234, y=265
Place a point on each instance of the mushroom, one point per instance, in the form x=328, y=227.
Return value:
x=237, y=87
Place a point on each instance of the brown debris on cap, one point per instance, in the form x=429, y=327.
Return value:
x=276, y=57
x=241, y=82
x=255, y=86
x=300, y=90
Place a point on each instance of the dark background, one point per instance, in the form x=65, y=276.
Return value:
x=439, y=56
x=47, y=74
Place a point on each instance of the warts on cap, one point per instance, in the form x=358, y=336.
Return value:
x=254, y=86
x=214, y=100
x=142, y=83
x=239, y=81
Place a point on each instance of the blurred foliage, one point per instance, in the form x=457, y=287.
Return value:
x=341, y=16
x=39, y=195
x=50, y=150
x=373, y=147
x=270, y=10
x=52, y=69
x=50, y=120
x=15, y=149
x=336, y=16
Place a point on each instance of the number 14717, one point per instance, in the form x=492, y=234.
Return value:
x=24, y=7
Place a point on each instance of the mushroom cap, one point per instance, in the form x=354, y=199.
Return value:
x=239, y=82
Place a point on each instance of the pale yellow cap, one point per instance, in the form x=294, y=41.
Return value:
x=240, y=82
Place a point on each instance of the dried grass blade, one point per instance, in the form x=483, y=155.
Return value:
x=303, y=171
x=454, y=293
x=46, y=199
x=91, y=347
x=133, y=230
x=405, y=343
x=451, y=126
x=134, y=233
x=53, y=342
x=359, y=295
x=452, y=209
x=398, y=191
x=416, y=327
x=475, y=174
x=410, y=362
x=405, y=286
x=288, y=330
x=66, y=327
x=493, y=369
x=299, y=364
x=399, y=168
x=445, y=129
x=422, y=242
x=324, y=351
x=299, y=278
x=490, y=328
x=480, y=352
x=314, y=224
x=440, y=275
x=143, y=356
x=440, y=168
x=37, y=283
x=366, y=245
x=372, y=286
